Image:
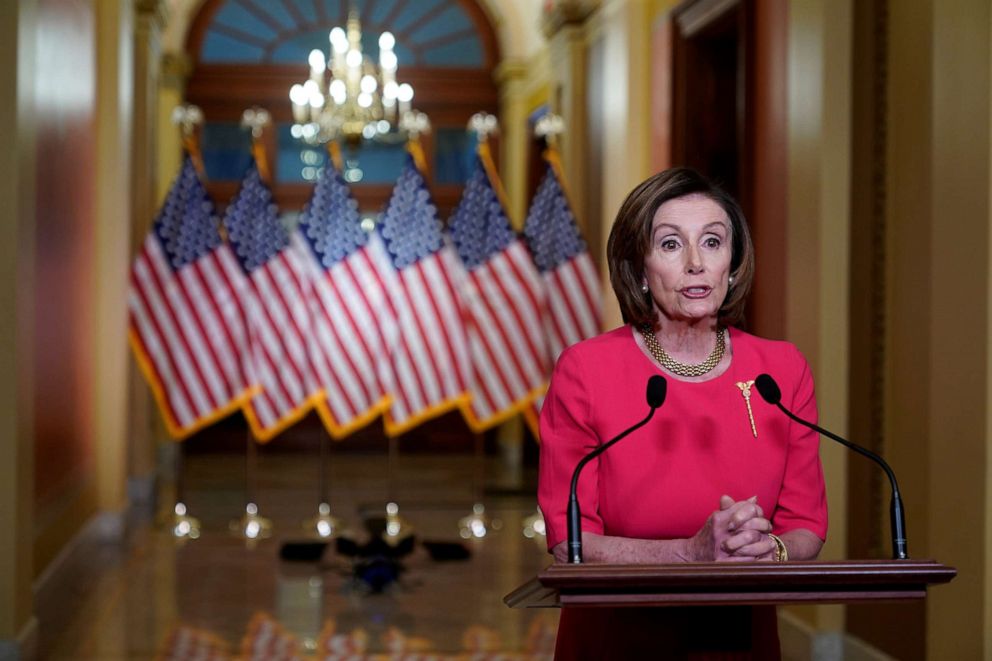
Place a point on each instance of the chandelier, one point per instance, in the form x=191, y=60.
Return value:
x=348, y=97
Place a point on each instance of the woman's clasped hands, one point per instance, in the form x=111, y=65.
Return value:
x=737, y=531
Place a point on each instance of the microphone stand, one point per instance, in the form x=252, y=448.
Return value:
x=899, y=551
x=574, y=513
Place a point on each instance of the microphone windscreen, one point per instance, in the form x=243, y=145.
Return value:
x=768, y=389
x=657, y=389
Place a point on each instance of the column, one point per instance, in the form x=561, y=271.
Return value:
x=144, y=427
x=18, y=625
x=113, y=230
x=818, y=243
x=511, y=77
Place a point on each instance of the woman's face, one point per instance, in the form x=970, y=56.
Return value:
x=688, y=262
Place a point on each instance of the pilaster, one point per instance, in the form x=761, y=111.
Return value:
x=144, y=429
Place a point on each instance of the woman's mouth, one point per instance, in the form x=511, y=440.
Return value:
x=696, y=292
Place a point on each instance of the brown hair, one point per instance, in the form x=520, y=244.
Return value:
x=630, y=241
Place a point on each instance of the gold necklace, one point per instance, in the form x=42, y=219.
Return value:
x=683, y=369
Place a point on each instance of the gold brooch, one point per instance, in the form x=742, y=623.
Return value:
x=745, y=387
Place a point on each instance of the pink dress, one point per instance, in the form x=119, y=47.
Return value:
x=665, y=479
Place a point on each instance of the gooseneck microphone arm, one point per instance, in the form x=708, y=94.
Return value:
x=770, y=392
x=656, y=397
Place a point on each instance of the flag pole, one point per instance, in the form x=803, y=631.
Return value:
x=397, y=527
x=251, y=526
x=189, y=119
x=324, y=525
x=477, y=525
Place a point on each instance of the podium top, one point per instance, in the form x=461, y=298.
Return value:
x=727, y=583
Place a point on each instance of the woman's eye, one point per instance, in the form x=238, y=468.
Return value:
x=712, y=242
x=669, y=244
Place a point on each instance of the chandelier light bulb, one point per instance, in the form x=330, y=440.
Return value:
x=390, y=90
x=365, y=99
x=339, y=40
x=387, y=59
x=316, y=100
x=368, y=83
x=353, y=59
x=387, y=41
x=298, y=95
x=317, y=62
x=311, y=87
x=405, y=93
x=339, y=92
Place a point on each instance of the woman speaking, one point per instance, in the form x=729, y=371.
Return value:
x=715, y=475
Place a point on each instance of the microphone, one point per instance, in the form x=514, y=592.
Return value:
x=657, y=389
x=770, y=392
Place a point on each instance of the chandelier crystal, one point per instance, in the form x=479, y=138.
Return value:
x=348, y=96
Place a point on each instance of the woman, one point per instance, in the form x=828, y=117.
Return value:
x=716, y=474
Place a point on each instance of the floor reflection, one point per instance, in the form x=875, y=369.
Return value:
x=222, y=597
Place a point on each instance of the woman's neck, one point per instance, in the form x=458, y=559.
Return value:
x=688, y=341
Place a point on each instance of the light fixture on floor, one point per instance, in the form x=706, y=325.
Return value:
x=252, y=526
x=324, y=525
x=534, y=525
x=477, y=525
x=397, y=529
x=183, y=525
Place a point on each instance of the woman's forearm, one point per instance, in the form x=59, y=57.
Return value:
x=626, y=551
x=802, y=544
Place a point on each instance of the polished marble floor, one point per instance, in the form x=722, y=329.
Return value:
x=218, y=597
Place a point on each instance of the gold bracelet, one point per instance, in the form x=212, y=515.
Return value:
x=781, y=553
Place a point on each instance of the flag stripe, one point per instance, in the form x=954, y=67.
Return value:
x=580, y=314
x=176, y=395
x=507, y=310
x=283, y=325
x=415, y=337
x=166, y=322
x=300, y=284
x=210, y=313
x=518, y=291
x=208, y=272
x=589, y=282
x=562, y=317
x=175, y=302
x=425, y=286
x=507, y=364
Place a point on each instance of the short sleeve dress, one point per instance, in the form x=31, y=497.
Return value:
x=665, y=479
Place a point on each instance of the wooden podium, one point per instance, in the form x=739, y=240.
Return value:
x=729, y=583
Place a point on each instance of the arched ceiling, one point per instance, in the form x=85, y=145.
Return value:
x=432, y=33
x=516, y=22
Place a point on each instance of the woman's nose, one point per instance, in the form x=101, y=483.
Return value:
x=693, y=264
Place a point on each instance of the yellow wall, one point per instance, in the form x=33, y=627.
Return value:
x=16, y=298
x=817, y=236
x=959, y=225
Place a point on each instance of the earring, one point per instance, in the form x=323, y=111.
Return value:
x=730, y=280
x=644, y=288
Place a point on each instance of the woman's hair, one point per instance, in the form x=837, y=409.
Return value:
x=630, y=242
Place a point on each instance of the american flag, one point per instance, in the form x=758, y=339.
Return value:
x=353, y=322
x=272, y=284
x=189, y=644
x=504, y=296
x=267, y=640
x=186, y=326
x=430, y=358
x=567, y=269
x=569, y=275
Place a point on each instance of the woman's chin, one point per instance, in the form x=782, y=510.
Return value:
x=692, y=314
